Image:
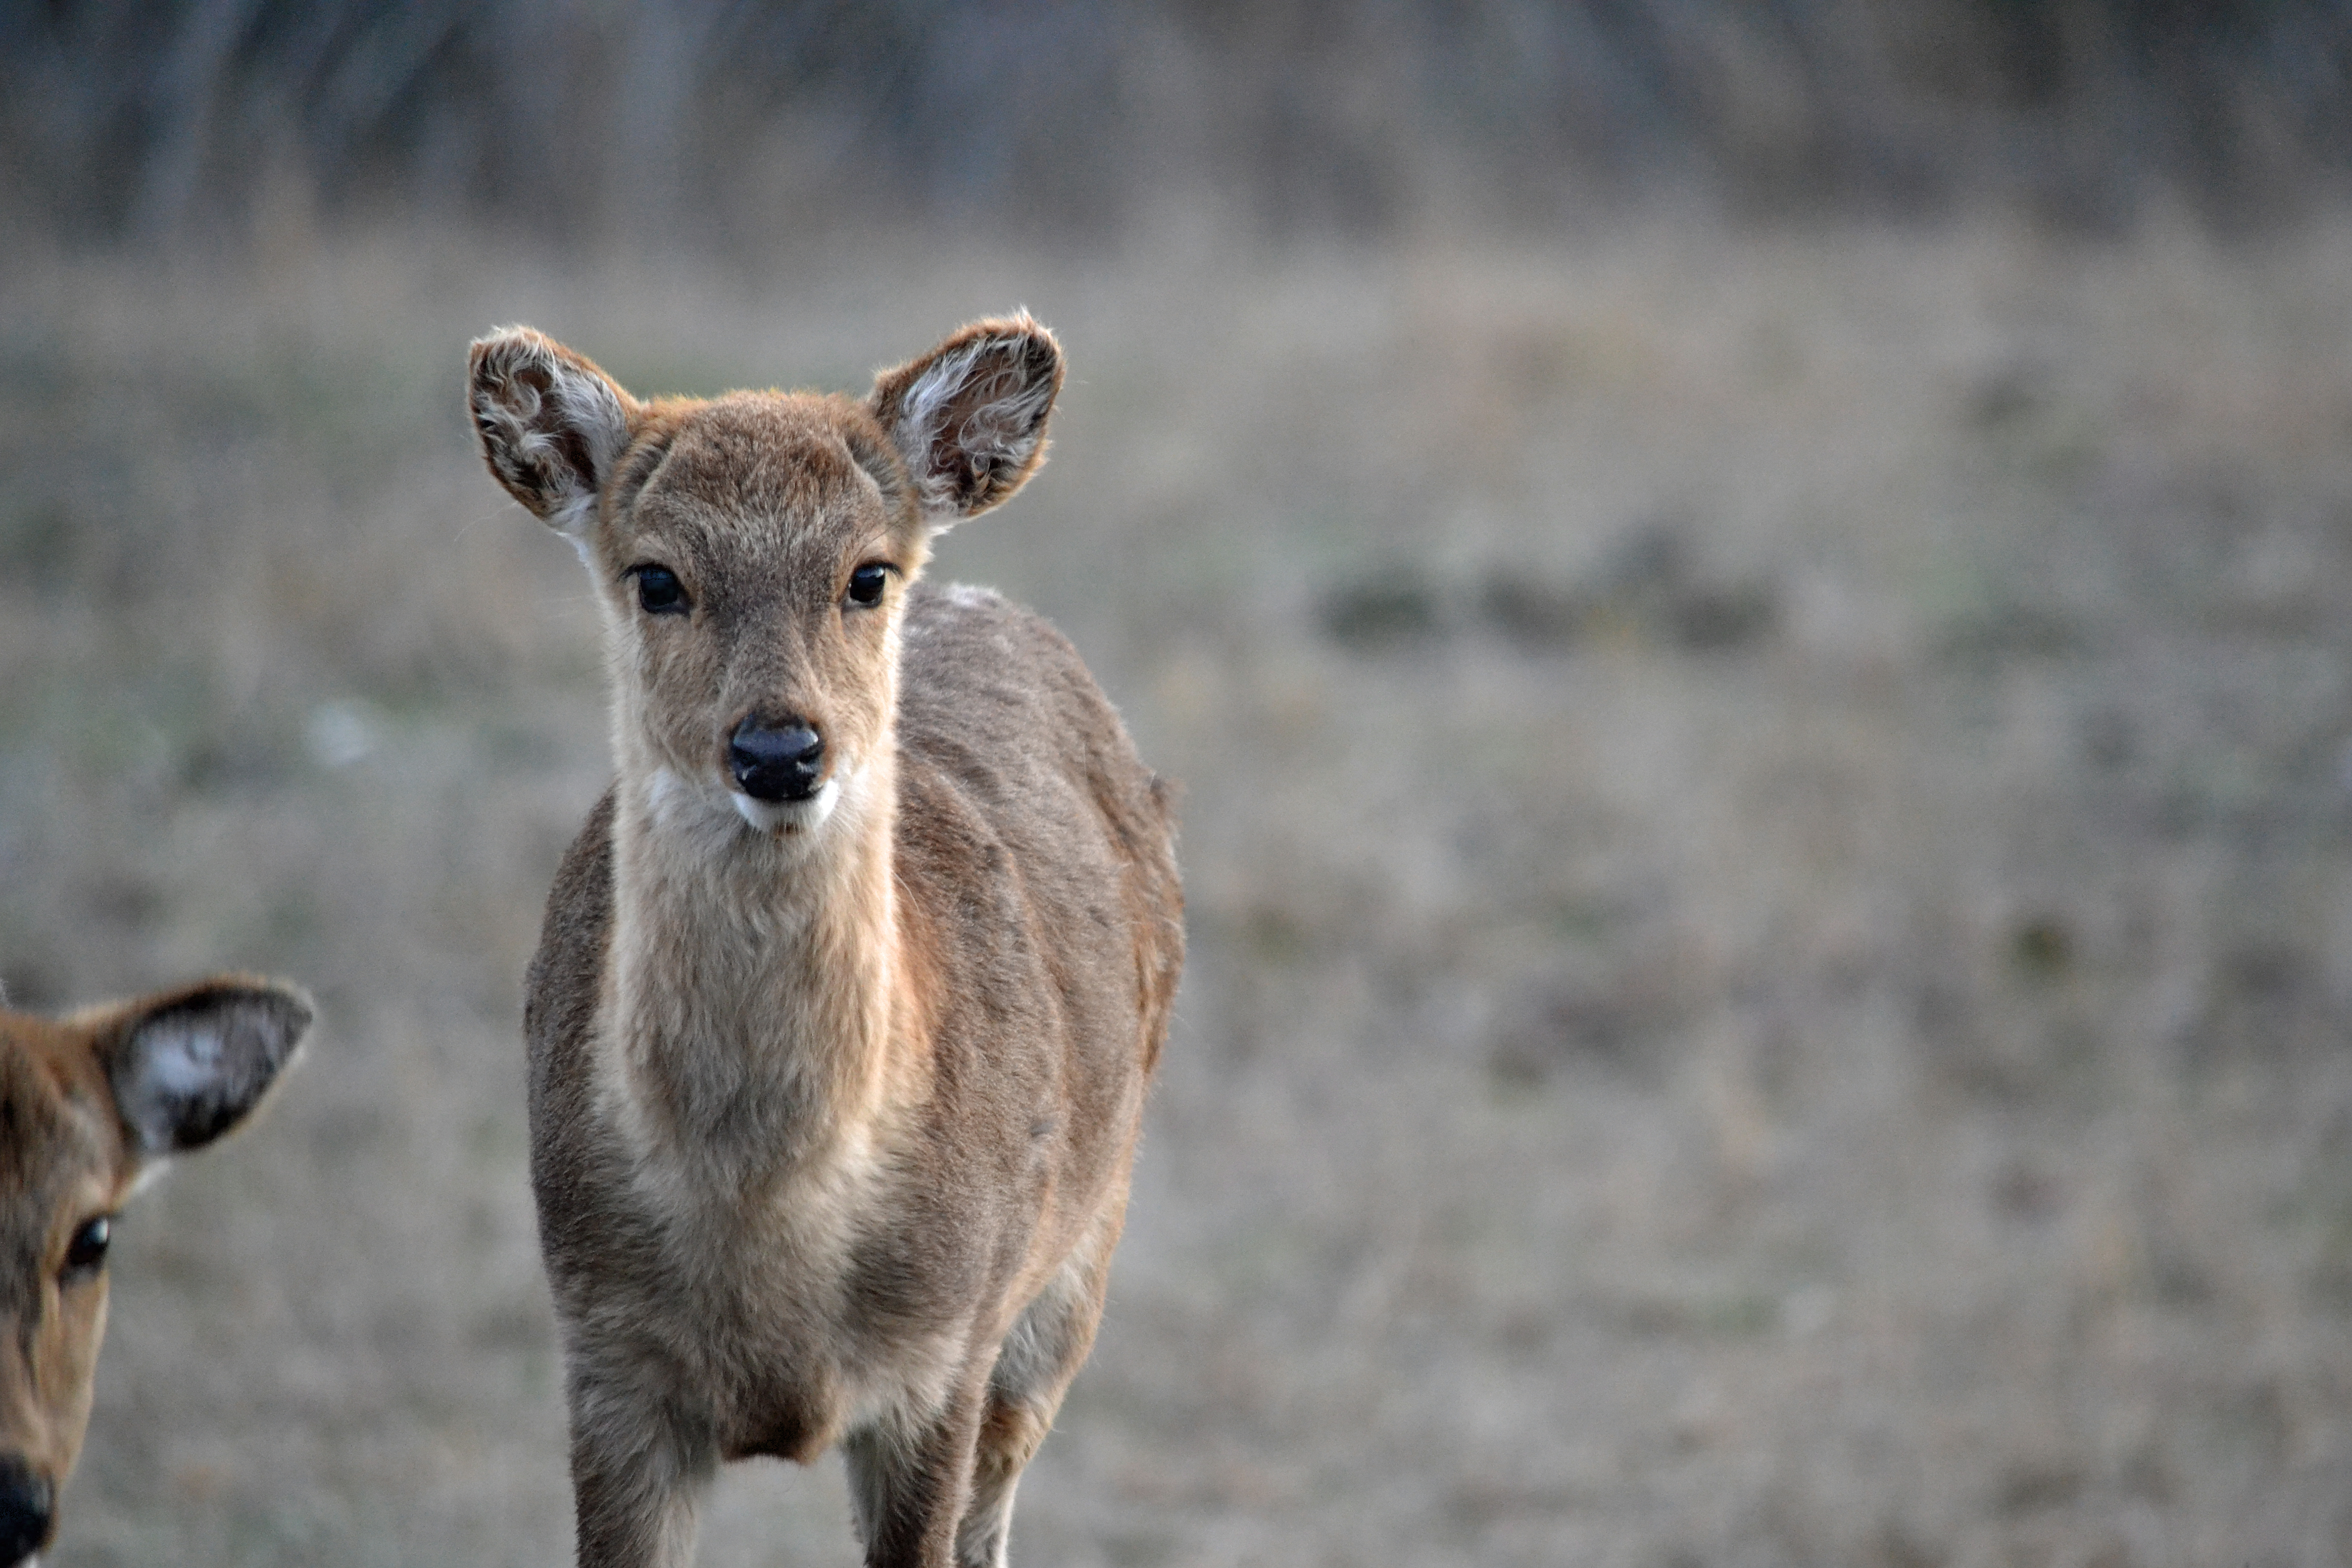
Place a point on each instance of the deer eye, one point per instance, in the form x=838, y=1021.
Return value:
x=659, y=593
x=867, y=583
x=85, y=1253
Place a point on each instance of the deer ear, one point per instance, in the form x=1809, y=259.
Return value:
x=551, y=423
x=188, y=1065
x=969, y=417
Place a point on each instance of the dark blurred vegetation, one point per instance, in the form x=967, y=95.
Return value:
x=730, y=123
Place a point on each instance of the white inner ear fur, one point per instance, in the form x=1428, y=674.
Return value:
x=180, y=1058
x=1004, y=424
x=587, y=404
x=178, y=1061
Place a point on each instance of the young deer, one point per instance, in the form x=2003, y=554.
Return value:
x=88, y=1106
x=849, y=990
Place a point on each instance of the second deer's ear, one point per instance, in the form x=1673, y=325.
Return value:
x=550, y=423
x=189, y=1064
x=969, y=417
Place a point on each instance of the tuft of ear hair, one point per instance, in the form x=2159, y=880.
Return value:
x=550, y=425
x=969, y=417
x=189, y=1064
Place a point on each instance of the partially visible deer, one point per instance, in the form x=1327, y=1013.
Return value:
x=849, y=990
x=89, y=1106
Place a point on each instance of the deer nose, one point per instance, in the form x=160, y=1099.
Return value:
x=776, y=763
x=26, y=1509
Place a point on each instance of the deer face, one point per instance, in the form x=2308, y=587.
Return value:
x=87, y=1107
x=752, y=585
x=751, y=552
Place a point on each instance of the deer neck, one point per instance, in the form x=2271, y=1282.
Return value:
x=751, y=1002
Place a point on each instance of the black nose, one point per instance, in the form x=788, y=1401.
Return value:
x=778, y=764
x=27, y=1507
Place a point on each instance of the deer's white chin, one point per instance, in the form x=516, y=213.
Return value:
x=788, y=817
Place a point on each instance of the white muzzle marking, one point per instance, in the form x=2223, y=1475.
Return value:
x=787, y=816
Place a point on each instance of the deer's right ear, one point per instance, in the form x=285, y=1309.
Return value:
x=551, y=423
x=189, y=1064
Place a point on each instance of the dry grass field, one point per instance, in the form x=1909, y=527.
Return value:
x=1768, y=822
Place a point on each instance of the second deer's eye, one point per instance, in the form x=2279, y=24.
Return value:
x=659, y=593
x=866, y=583
x=87, y=1251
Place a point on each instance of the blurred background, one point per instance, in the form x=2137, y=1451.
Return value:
x=1753, y=603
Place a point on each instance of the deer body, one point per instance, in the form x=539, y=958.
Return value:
x=850, y=989
x=90, y=1105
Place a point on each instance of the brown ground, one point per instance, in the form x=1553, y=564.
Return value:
x=1768, y=821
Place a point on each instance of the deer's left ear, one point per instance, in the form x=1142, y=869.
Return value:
x=969, y=417
x=187, y=1066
